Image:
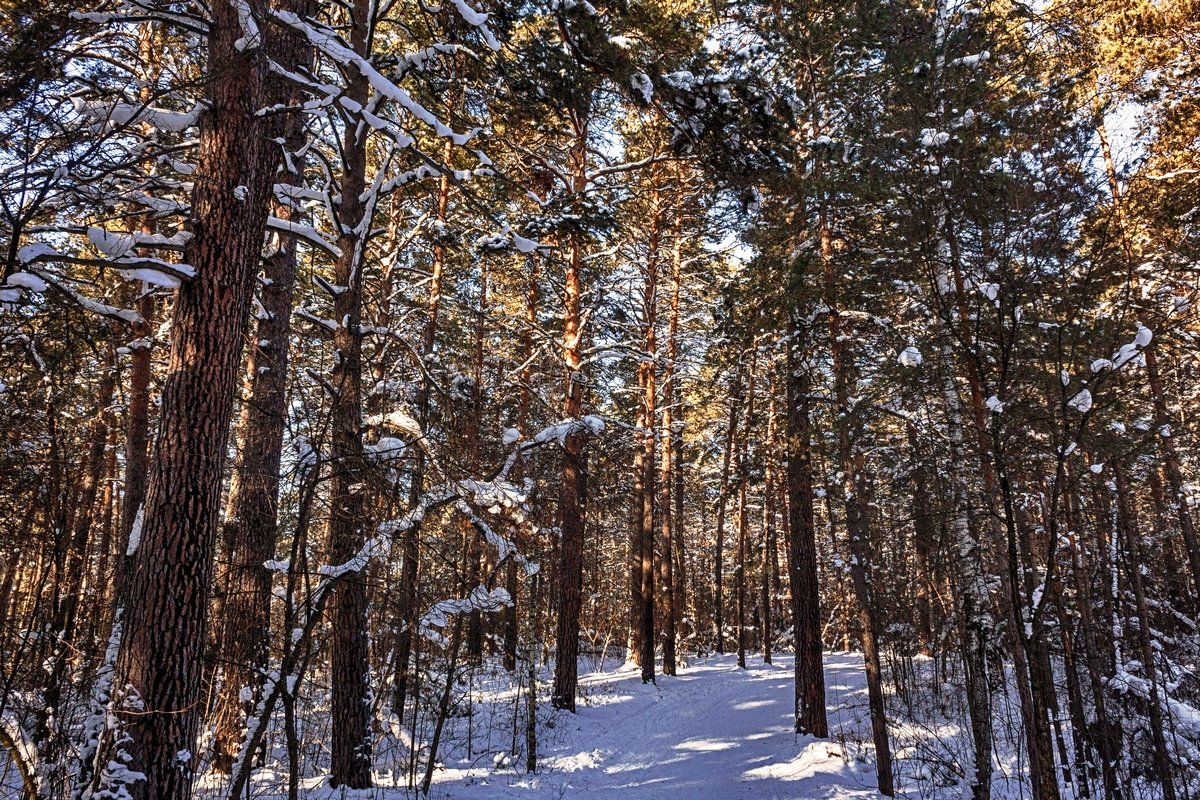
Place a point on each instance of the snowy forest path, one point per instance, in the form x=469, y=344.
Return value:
x=715, y=732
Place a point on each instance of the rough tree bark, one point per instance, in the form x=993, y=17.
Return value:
x=573, y=475
x=159, y=664
x=350, y=762
x=802, y=547
x=251, y=514
x=645, y=444
x=667, y=467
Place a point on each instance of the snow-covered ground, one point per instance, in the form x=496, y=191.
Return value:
x=715, y=731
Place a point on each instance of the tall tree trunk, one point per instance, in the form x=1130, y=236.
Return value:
x=735, y=401
x=1034, y=688
x=69, y=581
x=159, y=665
x=100, y=594
x=770, y=556
x=523, y=408
x=743, y=522
x=924, y=541
x=251, y=515
x=854, y=489
x=802, y=545
x=857, y=509
x=137, y=403
x=667, y=467
x=350, y=744
x=1134, y=564
x=473, y=422
x=971, y=592
x=739, y=583
x=1104, y=733
x=636, y=530
x=1176, y=484
x=411, y=544
x=646, y=382
x=572, y=498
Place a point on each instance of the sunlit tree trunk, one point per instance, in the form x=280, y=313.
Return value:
x=159, y=666
x=572, y=499
x=251, y=516
x=670, y=519
x=646, y=500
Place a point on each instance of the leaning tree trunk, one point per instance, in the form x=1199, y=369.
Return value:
x=159, y=665
x=251, y=518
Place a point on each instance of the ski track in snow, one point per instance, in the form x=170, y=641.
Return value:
x=714, y=732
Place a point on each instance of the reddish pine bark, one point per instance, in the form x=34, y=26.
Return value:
x=166, y=615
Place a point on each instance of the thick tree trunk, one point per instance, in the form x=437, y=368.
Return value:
x=570, y=570
x=251, y=517
x=159, y=665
